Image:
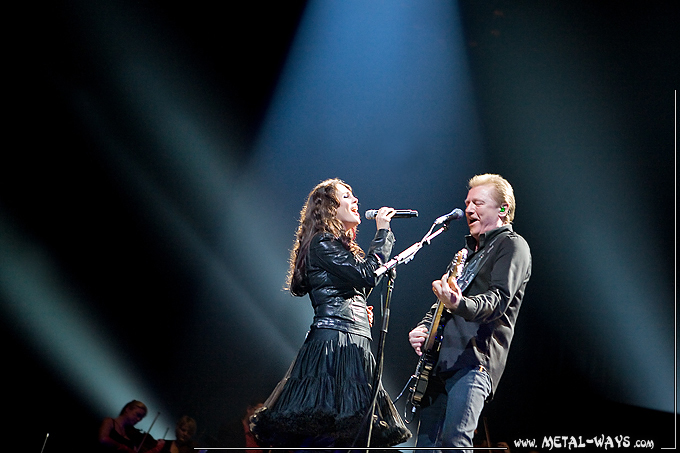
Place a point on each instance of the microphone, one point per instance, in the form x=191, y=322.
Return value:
x=399, y=214
x=453, y=215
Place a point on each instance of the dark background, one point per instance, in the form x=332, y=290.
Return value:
x=61, y=195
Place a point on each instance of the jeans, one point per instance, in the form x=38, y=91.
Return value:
x=451, y=419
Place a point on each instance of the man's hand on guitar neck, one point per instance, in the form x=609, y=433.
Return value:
x=448, y=292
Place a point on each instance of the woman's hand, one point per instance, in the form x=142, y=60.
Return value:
x=158, y=447
x=383, y=218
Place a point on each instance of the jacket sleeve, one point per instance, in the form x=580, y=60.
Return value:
x=427, y=319
x=333, y=257
x=511, y=268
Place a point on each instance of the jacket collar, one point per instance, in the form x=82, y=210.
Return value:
x=484, y=238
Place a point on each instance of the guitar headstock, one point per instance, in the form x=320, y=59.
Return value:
x=457, y=269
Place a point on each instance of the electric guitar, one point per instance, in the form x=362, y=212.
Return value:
x=430, y=349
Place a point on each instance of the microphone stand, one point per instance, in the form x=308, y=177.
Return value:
x=44, y=443
x=408, y=254
x=390, y=268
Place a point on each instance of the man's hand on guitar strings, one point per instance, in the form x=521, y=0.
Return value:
x=417, y=338
x=448, y=295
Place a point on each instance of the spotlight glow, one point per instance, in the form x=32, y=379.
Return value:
x=64, y=333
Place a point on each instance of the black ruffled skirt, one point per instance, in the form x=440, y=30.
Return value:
x=324, y=398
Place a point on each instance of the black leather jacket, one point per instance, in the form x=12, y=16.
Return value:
x=340, y=283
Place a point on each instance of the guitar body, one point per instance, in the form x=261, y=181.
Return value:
x=429, y=357
x=432, y=344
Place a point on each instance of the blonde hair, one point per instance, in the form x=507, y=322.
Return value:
x=503, y=191
x=189, y=422
x=134, y=404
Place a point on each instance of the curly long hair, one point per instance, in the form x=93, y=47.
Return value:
x=318, y=215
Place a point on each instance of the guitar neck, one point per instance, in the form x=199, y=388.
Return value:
x=437, y=316
x=436, y=320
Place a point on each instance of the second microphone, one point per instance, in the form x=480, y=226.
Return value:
x=398, y=214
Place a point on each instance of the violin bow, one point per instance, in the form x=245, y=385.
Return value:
x=147, y=432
